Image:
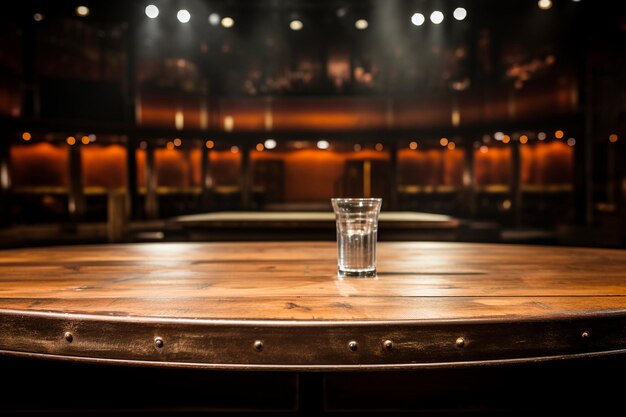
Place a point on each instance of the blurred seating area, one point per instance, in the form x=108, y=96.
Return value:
x=280, y=106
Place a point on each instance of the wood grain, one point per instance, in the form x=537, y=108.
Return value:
x=297, y=281
x=281, y=305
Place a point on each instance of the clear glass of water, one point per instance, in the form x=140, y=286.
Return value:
x=357, y=231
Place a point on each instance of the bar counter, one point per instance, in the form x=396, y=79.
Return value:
x=307, y=225
x=279, y=309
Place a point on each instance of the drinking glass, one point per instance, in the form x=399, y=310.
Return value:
x=357, y=230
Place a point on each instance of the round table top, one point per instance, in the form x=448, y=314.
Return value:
x=281, y=306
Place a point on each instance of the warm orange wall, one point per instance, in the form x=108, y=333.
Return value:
x=493, y=167
x=40, y=164
x=430, y=167
x=174, y=168
x=312, y=174
x=367, y=154
x=246, y=114
x=357, y=113
x=159, y=109
x=225, y=167
x=140, y=157
x=453, y=167
x=547, y=163
x=410, y=112
x=335, y=113
x=104, y=166
x=417, y=167
x=177, y=168
x=195, y=159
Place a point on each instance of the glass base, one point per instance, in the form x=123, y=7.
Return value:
x=369, y=273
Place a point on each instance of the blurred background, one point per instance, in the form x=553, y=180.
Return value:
x=508, y=117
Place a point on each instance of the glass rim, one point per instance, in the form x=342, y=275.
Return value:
x=357, y=200
x=347, y=203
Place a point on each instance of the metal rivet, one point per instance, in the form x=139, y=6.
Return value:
x=353, y=346
x=585, y=335
x=460, y=342
x=387, y=345
x=68, y=336
x=258, y=346
x=158, y=342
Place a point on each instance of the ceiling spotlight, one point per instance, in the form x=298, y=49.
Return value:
x=323, y=144
x=214, y=19
x=498, y=135
x=82, y=11
x=270, y=143
x=228, y=22
x=418, y=19
x=361, y=24
x=459, y=13
x=544, y=4
x=341, y=12
x=152, y=11
x=436, y=17
x=183, y=16
x=296, y=25
x=38, y=17
x=541, y=135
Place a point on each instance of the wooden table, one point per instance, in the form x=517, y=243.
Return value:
x=280, y=307
x=306, y=225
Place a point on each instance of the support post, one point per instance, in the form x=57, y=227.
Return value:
x=207, y=179
x=76, y=198
x=516, y=184
x=151, y=202
x=469, y=181
x=131, y=177
x=583, y=151
x=117, y=217
x=5, y=180
x=245, y=180
x=393, y=176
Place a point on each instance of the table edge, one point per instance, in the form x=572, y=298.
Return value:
x=308, y=345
